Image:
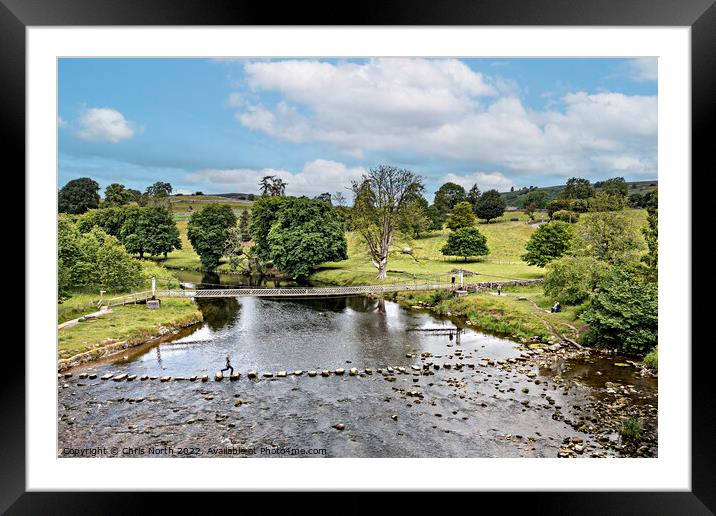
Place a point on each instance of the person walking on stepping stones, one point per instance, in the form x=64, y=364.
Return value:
x=228, y=364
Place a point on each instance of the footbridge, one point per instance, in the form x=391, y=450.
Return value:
x=456, y=283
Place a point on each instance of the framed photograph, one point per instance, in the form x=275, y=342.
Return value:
x=438, y=248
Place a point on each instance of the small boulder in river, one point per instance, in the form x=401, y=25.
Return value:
x=252, y=374
x=281, y=374
x=235, y=377
x=218, y=376
x=312, y=373
x=339, y=426
x=165, y=378
x=107, y=376
x=325, y=372
x=353, y=371
x=340, y=371
x=298, y=373
x=120, y=377
x=92, y=376
x=205, y=378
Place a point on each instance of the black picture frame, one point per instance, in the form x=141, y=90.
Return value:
x=700, y=15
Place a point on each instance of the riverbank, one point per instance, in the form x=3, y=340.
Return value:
x=124, y=327
x=520, y=313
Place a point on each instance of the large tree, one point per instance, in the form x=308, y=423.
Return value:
x=533, y=201
x=78, y=196
x=117, y=195
x=159, y=231
x=306, y=232
x=465, y=242
x=207, y=232
x=473, y=196
x=616, y=186
x=490, y=206
x=159, y=189
x=461, y=216
x=272, y=186
x=447, y=196
x=381, y=197
x=572, y=279
x=414, y=220
x=610, y=236
x=577, y=188
x=547, y=243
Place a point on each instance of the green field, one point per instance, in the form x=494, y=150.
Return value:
x=133, y=323
x=506, y=240
x=182, y=206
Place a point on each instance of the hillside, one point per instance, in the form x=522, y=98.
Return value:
x=515, y=198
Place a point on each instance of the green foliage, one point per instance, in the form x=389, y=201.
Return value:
x=610, y=236
x=93, y=260
x=461, y=216
x=234, y=247
x=631, y=428
x=414, y=221
x=549, y=242
x=272, y=186
x=606, y=202
x=571, y=280
x=435, y=217
x=207, y=231
x=465, y=242
x=651, y=235
x=380, y=198
x=447, y=196
x=534, y=201
x=473, y=196
x=565, y=216
x=652, y=358
x=615, y=186
x=158, y=231
x=78, y=196
x=306, y=232
x=245, y=226
x=577, y=188
x=623, y=313
x=117, y=195
x=159, y=189
x=490, y=206
x=263, y=215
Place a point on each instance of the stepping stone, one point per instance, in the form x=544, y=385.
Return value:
x=312, y=373
x=131, y=377
x=92, y=376
x=353, y=371
x=145, y=377
x=179, y=379
x=340, y=371
x=192, y=378
x=268, y=375
x=120, y=377
x=83, y=376
x=218, y=376
x=234, y=377
x=165, y=378
x=281, y=374
x=298, y=373
x=107, y=376
x=153, y=377
x=205, y=378
x=325, y=372
x=252, y=374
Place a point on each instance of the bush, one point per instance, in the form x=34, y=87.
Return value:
x=652, y=358
x=624, y=312
x=631, y=428
x=572, y=280
x=565, y=216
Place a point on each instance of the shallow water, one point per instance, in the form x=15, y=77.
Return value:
x=474, y=411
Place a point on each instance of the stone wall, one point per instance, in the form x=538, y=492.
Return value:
x=492, y=285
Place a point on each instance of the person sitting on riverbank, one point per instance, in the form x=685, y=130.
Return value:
x=228, y=364
x=556, y=308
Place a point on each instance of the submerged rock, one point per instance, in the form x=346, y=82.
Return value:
x=339, y=426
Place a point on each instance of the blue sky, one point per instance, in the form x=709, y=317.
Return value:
x=220, y=125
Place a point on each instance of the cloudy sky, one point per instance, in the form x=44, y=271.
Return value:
x=220, y=125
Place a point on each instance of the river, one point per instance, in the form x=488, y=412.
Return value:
x=492, y=401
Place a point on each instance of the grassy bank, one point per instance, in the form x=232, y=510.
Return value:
x=131, y=323
x=520, y=313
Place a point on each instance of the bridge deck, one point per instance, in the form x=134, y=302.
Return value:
x=332, y=291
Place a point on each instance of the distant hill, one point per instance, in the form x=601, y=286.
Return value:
x=515, y=198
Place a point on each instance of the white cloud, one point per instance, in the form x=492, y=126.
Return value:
x=644, y=69
x=316, y=177
x=105, y=124
x=235, y=99
x=484, y=180
x=441, y=108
